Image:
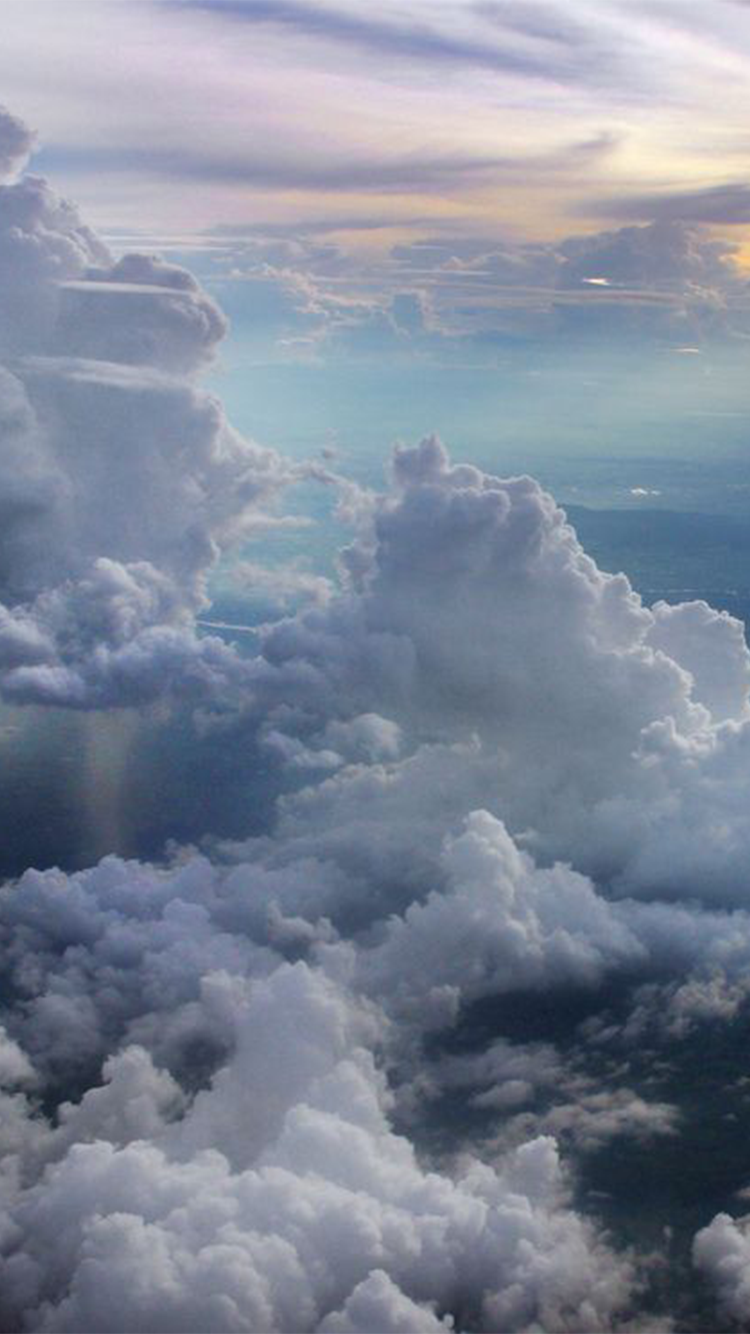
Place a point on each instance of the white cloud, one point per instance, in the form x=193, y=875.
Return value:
x=616, y=734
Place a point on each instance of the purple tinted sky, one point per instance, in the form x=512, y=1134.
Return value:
x=533, y=119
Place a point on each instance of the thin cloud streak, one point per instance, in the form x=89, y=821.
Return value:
x=559, y=60
x=412, y=174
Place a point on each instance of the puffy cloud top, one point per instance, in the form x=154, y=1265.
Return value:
x=140, y=311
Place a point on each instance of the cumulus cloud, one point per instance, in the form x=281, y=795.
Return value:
x=721, y=1252
x=600, y=726
x=599, y=1116
x=511, y=926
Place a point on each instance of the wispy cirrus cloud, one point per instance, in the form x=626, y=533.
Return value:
x=255, y=167
x=515, y=116
x=536, y=42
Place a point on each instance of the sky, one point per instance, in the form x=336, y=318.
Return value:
x=523, y=121
x=374, y=680
x=452, y=212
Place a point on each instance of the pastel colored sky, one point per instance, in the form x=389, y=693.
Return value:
x=487, y=188
x=532, y=118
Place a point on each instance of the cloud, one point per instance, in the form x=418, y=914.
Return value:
x=447, y=299
x=600, y=1116
x=725, y=205
x=278, y=1210
x=512, y=927
x=665, y=253
x=283, y=1083
x=465, y=668
x=16, y=143
x=271, y=1188
x=447, y=65
x=538, y=45
x=140, y=311
x=121, y=478
x=623, y=751
x=317, y=169
x=43, y=242
x=721, y=1252
x=376, y=1303
x=280, y=585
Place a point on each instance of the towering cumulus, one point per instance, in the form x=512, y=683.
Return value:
x=371, y=1068
x=119, y=476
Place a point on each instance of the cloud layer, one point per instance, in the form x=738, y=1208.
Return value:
x=352, y=1071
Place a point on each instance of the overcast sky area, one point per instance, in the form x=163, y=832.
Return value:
x=374, y=718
